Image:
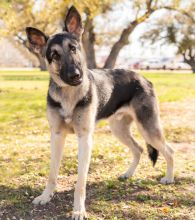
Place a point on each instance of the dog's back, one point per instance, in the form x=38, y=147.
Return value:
x=116, y=88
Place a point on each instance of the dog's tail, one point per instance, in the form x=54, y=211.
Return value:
x=152, y=153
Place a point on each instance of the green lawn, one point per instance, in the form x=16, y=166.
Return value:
x=24, y=157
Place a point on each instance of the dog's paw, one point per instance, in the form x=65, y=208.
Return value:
x=79, y=215
x=125, y=176
x=42, y=199
x=166, y=180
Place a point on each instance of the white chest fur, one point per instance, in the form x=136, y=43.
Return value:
x=67, y=101
x=68, y=97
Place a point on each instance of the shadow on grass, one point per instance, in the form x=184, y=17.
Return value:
x=17, y=201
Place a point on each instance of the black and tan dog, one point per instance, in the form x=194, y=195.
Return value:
x=79, y=97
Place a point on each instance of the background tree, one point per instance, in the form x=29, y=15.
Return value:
x=141, y=10
x=47, y=15
x=16, y=15
x=178, y=30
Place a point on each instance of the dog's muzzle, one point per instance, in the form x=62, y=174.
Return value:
x=75, y=78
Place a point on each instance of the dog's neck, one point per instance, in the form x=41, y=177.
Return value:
x=69, y=96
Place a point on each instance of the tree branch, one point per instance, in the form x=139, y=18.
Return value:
x=123, y=40
x=149, y=4
x=24, y=42
x=88, y=40
x=177, y=10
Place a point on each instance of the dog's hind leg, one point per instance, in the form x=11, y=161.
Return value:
x=148, y=122
x=57, y=143
x=155, y=139
x=120, y=127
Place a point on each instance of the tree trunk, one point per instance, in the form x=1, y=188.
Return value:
x=88, y=40
x=123, y=40
x=193, y=69
x=190, y=61
x=192, y=64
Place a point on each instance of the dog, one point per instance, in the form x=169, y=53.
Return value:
x=79, y=97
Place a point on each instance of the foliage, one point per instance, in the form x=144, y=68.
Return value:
x=178, y=30
x=47, y=15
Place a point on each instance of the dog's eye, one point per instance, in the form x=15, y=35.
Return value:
x=55, y=56
x=72, y=48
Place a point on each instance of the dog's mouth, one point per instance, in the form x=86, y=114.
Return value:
x=76, y=81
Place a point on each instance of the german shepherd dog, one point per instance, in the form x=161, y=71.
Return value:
x=78, y=98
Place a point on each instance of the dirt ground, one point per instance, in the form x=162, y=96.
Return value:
x=181, y=114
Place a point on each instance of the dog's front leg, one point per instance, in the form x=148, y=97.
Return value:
x=57, y=144
x=84, y=155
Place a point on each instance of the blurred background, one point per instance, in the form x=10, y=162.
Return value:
x=139, y=34
x=154, y=37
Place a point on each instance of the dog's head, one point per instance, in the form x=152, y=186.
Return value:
x=62, y=51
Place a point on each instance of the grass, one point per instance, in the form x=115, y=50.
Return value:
x=24, y=157
x=172, y=86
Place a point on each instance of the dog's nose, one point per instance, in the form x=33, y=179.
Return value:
x=75, y=75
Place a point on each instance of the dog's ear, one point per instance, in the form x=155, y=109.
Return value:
x=73, y=22
x=37, y=40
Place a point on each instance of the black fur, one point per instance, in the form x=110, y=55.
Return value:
x=145, y=106
x=125, y=86
x=86, y=100
x=58, y=40
x=51, y=102
x=153, y=154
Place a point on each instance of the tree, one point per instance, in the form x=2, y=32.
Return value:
x=142, y=10
x=46, y=15
x=178, y=30
x=16, y=15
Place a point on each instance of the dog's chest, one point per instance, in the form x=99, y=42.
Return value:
x=67, y=102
